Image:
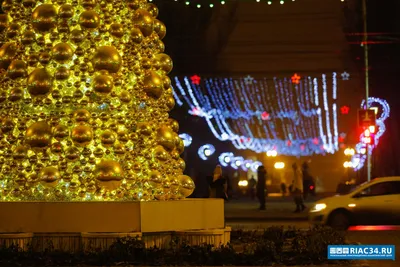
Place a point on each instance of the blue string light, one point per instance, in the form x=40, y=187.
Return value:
x=261, y=115
x=205, y=151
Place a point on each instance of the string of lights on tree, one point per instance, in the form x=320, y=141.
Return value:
x=383, y=112
x=295, y=116
x=214, y=3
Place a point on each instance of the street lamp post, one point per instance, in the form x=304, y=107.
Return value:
x=365, y=45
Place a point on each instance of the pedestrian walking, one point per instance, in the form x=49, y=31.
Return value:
x=298, y=188
x=261, y=181
x=218, y=184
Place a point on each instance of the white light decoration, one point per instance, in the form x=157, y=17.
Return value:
x=360, y=156
x=295, y=118
x=237, y=162
x=205, y=151
x=187, y=139
x=225, y=158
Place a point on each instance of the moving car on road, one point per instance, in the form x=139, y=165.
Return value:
x=373, y=203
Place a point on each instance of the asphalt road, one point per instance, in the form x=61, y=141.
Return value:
x=364, y=235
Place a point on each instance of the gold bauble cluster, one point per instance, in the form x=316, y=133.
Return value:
x=84, y=103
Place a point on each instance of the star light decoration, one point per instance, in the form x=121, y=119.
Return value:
x=296, y=78
x=345, y=76
x=345, y=110
x=248, y=80
x=195, y=79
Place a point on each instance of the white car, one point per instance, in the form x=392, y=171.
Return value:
x=373, y=203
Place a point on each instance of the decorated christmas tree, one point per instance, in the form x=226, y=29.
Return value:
x=84, y=103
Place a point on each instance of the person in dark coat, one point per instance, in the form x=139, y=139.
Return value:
x=307, y=180
x=261, y=181
x=218, y=184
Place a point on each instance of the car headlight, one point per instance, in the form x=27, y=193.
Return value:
x=318, y=207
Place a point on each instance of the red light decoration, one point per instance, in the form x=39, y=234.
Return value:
x=296, y=79
x=289, y=143
x=265, y=116
x=195, y=79
x=341, y=139
x=315, y=141
x=196, y=111
x=344, y=110
x=302, y=147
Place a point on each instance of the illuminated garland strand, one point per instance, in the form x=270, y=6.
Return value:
x=359, y=158
x=214, y=3
x=233, y=112
x=228, y=159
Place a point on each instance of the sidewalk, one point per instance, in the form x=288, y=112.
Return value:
x=278, y=208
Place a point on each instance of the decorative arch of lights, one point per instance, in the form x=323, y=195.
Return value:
x=383, y=108
x=295, y=116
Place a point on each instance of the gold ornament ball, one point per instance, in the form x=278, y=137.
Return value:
x=109, y=174
x=7, y=125
x=77, y=36
x=125, y=96
x=159, y=153
x=89, y=19
x=62, y=52
x=103, y=83
x=20, y=152
x=108, y=138
x=82, y=115
x=180, y=146
x=3, y=22
x=144, y=128
x=181, y=164
x=107, y=58
x=155, y=179
x=39, y=82
x=153, y=84
x=44, y=17
x=62, y=73
x=174, y=125
x=187, y=186
x=136, y=36
x=166, y=137
x=89, y=4
x=49, y=176
x=160, y=29
x=17, y=69
x=82, y=134
x=66, y=11
x=38, y=135
x=16, y=94
x=152, y=9
x=7, y=54
x=28, y=38
x=165, y=62
x=117, y=30
x=60, y=132
x=144, y=21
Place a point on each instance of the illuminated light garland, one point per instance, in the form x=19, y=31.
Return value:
x=227, y=159
x=359, y=158
x=212, y=3
x=295, y=119
x=187, y=139
x=205, y=151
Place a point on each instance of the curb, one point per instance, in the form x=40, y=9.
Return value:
x=266, y=219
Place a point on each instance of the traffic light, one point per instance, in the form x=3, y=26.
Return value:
x=369, y=136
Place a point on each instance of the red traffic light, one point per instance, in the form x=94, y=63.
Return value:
x=368, y=137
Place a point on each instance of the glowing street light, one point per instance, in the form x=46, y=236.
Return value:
x=243, y=183
x=348, y=164
x=279, y=165
x=349, y=152
x=272, y=153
